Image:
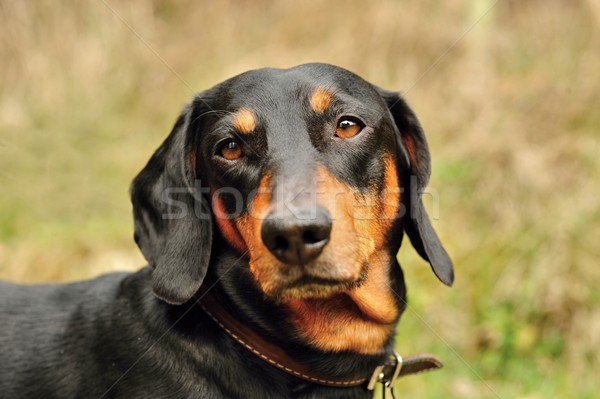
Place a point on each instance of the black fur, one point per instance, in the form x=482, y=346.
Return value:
x=140, y=335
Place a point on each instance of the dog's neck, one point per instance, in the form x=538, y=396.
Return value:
x=235, y=290
x=267, y=351
x=257, y=326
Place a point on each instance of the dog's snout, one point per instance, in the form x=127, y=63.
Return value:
x=298, y=238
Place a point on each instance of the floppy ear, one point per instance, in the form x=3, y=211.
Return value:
x=173, y=225
x=413, y=154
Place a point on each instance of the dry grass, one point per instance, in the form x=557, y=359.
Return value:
x=512, y=110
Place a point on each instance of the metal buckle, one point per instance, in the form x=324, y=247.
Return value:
x=382, y=373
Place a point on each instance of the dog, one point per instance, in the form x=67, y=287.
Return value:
x=270, y=218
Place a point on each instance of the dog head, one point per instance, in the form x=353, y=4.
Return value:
x=312, y=174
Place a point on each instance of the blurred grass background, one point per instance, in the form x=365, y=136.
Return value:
x=508, y=92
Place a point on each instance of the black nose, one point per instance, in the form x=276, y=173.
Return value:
x=299, y=238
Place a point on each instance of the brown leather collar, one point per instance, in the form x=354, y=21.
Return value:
x=386, y=373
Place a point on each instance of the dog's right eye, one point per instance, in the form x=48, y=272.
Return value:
x=230, y=150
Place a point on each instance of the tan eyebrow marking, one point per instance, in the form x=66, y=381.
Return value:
x=244, y=121
x=320, y=99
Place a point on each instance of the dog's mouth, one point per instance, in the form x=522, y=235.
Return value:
x=319, y=280
x=311, y=287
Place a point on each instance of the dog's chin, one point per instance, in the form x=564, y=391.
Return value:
x=311, y=291
x=312, y=283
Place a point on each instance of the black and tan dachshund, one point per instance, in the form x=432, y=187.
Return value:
x=270, y=218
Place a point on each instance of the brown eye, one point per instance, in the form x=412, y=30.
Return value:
x=348, y=128
x=231, y=151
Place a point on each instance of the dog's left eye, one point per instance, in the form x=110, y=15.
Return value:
x=347, y=128
x=230, y=150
